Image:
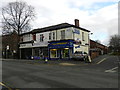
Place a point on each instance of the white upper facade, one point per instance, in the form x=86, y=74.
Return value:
x=64, y=31
x=61, y=34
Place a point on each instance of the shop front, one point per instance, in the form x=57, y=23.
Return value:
x=60, y=49
x=26, y=53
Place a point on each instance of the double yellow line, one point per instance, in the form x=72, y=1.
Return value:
x=8, y=88
x=2, y=84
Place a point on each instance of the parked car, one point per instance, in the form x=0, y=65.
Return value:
x=80, y=55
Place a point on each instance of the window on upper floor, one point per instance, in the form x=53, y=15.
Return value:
x=63, y=34
x=34, y=37
x=53, y=35
x=83, y=38
x=49, y=36
x=21, y=39
x=41, y=37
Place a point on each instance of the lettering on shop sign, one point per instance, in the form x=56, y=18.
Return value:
x=40, y=44
x=22, y=45
x=60, y=43
x=25, y=45
x=76, y=31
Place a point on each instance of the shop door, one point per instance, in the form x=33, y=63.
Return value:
x=65, y=53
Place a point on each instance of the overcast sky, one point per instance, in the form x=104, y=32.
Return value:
x=98, y=16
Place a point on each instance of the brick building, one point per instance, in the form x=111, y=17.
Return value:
x=10, y=45
x=97, y=49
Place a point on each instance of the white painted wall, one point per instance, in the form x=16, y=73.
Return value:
x=27, y=37
x=83, y=47
x=68, y=35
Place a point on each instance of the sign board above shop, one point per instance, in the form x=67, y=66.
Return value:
x=61, y=44
x=25, y=45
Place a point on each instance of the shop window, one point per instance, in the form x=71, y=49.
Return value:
x=65, y=52
x=53, y=53
x=36, y=51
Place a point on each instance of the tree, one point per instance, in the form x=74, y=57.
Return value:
x=115, y=43
x=17, y=17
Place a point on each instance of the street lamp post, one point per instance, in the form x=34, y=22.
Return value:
x=89, y=58
x=89, y=42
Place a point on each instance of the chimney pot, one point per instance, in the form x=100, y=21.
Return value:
x=76, y=22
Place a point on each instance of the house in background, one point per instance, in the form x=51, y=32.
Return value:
x=55, y=42
x=10, y=45
x=97, y=49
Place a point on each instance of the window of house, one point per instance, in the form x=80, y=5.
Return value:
x=63, y=34
x=29, y=36
x=83, y=36
x=53, y=35
x=34, y=37
x=49, y=36
x=41, y=37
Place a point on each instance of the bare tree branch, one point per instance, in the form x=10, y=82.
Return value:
x=17, y=16
x=115, y=42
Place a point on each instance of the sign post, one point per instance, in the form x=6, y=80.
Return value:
x=7, y=51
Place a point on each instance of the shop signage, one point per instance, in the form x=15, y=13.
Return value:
x=61, y=44
x=77, y=41
x=40, y=44
x=76, y=31
x=77, y=46
x=25, y=45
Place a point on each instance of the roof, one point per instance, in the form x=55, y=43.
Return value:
x=55, y=27
x=98, y=43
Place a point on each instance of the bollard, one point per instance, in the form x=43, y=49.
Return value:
x=32, y=57
x=89, y=59
x=46, y=60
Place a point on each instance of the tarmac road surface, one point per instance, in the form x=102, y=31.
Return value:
x=102, y=73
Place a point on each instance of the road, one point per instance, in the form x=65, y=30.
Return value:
x=102, y=73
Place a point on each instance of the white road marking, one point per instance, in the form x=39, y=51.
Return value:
x=101, y=61
x=111, y=70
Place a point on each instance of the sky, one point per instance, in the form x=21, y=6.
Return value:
x=98, y=16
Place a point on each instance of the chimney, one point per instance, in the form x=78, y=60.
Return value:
x=76, y=22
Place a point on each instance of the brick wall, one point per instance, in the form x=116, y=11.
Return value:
x=10, y=40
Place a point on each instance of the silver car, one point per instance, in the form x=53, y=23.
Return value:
x=80, y=55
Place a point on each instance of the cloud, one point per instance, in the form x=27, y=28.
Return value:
x=98, y=16
x=105, y=21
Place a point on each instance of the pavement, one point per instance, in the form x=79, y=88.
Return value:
x=57, y=62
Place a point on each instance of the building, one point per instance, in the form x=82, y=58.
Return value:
x=97, y=49
x=55, y=42
x=10, y=45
